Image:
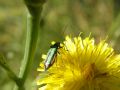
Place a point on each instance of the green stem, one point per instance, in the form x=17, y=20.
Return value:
x=31, y=42
x=33, y=24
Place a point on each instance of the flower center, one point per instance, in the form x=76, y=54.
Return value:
x=89, y=71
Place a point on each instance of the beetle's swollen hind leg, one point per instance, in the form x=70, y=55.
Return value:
x=58, y=53
x=56, y=63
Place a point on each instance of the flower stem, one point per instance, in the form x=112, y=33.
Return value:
x=33, y=24
x=31, y=42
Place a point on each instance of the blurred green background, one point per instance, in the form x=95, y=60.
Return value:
x=59, y=18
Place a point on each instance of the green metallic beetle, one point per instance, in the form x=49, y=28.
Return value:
x=51, y=55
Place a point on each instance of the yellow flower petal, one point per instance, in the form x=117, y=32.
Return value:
x=83, y=65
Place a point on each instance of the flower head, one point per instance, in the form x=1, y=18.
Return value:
x=82, y=65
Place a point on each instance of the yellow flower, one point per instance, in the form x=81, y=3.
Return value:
x=82, y=65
